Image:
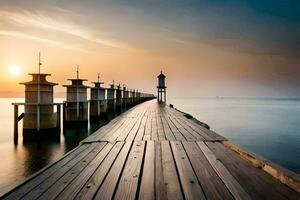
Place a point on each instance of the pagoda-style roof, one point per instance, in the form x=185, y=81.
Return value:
x=97, y=84
x=77, y=83
x=39, y=79
x=75, y=79
x=161, y=75
x=112, y=87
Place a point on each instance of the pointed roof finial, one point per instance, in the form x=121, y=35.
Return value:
x=161, y=75
x=40, y=63
x=98, y=78
x=77, y=72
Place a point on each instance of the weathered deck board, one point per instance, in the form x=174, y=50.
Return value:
x=205, y=173
x=231, y=183
x=172, y=184
x=152, y=152
x=92, y=175
x=147, y=188
x=191, y=187
x=106, y=191
x=256, y=182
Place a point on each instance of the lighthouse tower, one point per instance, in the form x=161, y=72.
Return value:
x=161, y=88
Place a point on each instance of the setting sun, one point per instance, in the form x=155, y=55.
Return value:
x=15, y=70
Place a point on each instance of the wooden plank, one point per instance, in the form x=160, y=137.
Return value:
x=184, y=128
x=160, y=191
x=140, y=134
x=48, y=171
x=76, y=177
x=154, y=129
x=147, y=137
x=191, y=187
x=179, y=134
x=112, y=125
x=86, y=179
x=257, y=183
x=130, y=128
x=195, y=127
x=212, y=185
x=105, y=133
x=108, y=186
x=128, y=184
x=147, y=187
x=171, y=179
x=43, y=187
x=231, y=183
x=160, y=129
x=168, y=133
x=115, y=134
x=132, y=134
x=147, y=134
x=207, y=134
x=91, y=186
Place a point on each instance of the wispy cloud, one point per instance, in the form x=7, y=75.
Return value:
x=39, y=39
x=23, y=35
x=41, y=21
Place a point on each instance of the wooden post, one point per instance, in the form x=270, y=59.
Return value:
x=58, y=120
x=16, y=120
x=38, y=120
x=64, y=112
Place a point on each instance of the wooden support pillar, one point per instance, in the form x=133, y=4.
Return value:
x=58, y=113
x=16, y=120
x=64, y=112
x=98, y=107
x=38, y=117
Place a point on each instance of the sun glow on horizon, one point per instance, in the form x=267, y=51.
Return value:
x=15, y=70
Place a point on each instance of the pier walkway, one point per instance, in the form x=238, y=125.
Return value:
x=152, y=152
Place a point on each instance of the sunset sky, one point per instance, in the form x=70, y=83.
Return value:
x=205, y=47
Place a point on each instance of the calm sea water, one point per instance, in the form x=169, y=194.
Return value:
x=268, y=127
x=264, y=126
x=17, y=162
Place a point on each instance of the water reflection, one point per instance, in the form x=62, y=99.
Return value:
x=73, y=135
x=21, y=161
x=38, y=154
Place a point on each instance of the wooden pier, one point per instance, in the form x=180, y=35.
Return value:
x=153, y=152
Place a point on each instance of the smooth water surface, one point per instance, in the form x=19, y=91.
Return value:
x=18, y=162
x=265, y=126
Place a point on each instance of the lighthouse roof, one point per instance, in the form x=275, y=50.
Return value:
x=161, y=75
